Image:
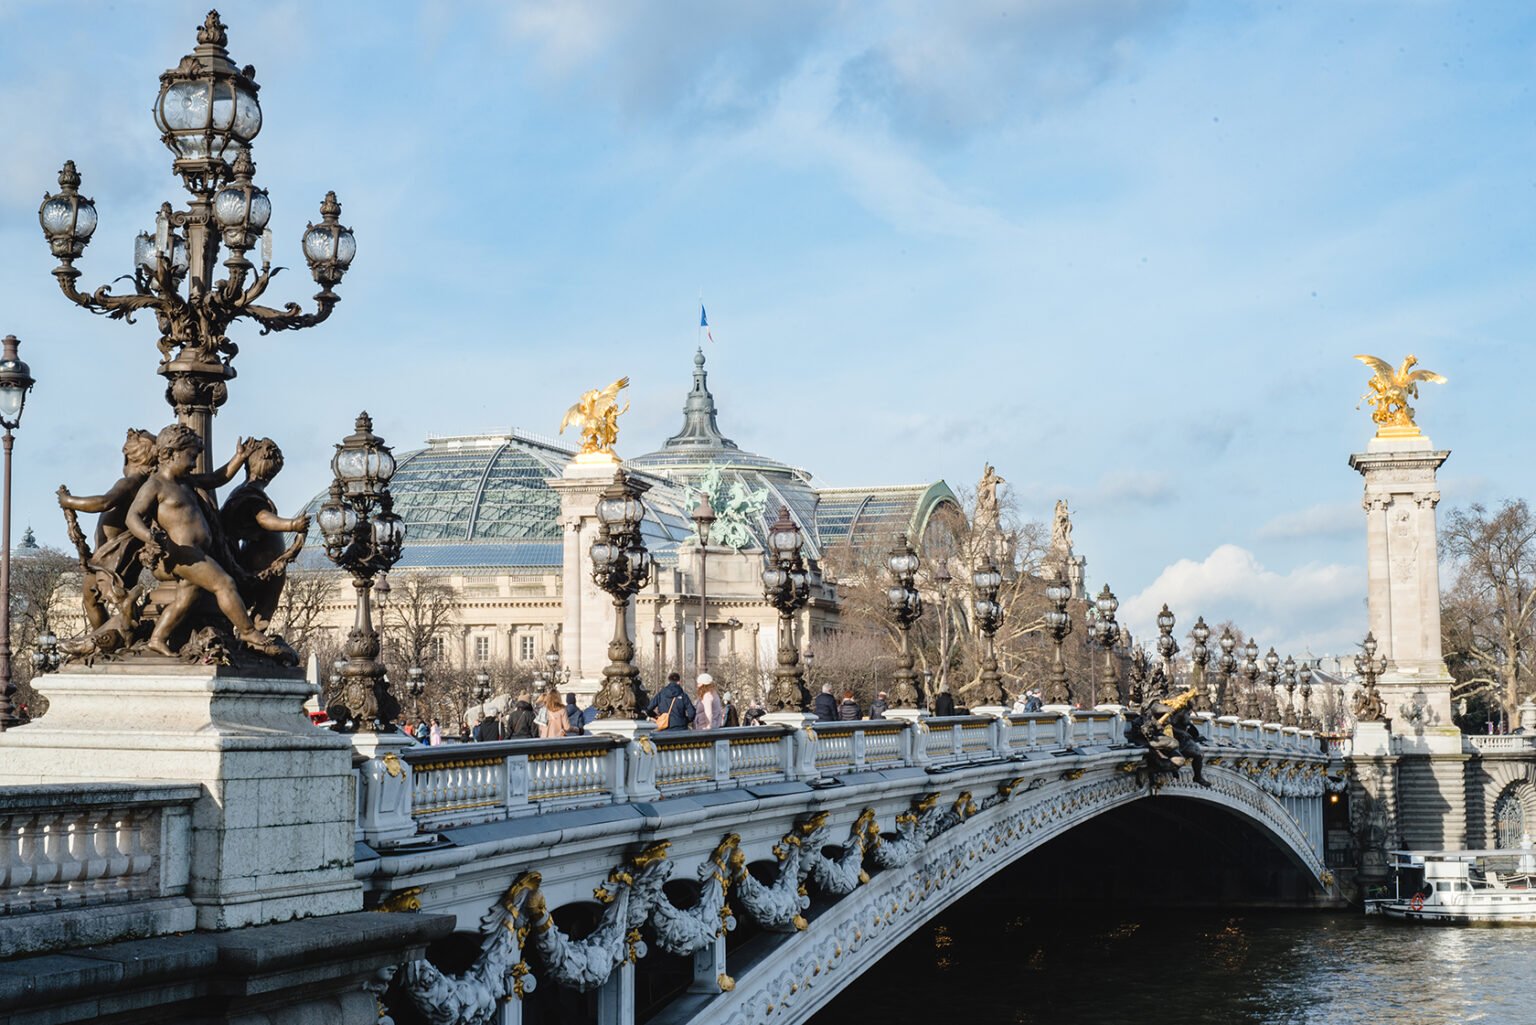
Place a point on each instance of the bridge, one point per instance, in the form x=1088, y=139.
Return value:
x=746, y=875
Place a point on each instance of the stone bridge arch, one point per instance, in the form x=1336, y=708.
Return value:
x=846, y=881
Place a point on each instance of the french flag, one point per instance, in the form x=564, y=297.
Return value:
x=704, y=323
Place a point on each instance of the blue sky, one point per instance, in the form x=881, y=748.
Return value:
x=1122, y=250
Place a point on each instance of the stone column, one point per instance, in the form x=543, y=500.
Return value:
x=1403, y=587
x=586, y=611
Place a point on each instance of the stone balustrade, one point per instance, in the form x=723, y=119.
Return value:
x=81, y=863
x=464, y=784
x=1500, y=743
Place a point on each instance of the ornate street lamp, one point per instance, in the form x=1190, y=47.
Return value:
x=363, y=536
x=482, y=687
x=1304, y=676
x=1288, y=674
x=416, y=686
x=1250, y=670
x=45, y=654
x=1368, y=704
x=1199, y=656
x=906, y=606
x=208, y=115
x=559, y=675
x=1107, y=633
x=703, y=519
x=1272, y=681
x=1167, y=647
x=621, y=566
x=1059, y=623
x=989, y=617
x=1226, y=664
x=787, y=588
x=941, y=582
x=15, y=382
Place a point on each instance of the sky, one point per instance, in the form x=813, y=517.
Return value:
x=1123, y=250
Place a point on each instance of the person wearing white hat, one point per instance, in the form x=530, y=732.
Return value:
x=711, y=710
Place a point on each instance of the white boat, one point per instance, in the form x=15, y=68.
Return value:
x=1461, y=886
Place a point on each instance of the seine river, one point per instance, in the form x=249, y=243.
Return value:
x=976, y=966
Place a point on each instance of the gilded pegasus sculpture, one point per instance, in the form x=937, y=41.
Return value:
x=1390, y=391
x=597, y=417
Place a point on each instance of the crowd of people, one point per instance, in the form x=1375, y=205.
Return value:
x=549, y=714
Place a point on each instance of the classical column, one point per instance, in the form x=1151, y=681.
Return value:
x=586, y=612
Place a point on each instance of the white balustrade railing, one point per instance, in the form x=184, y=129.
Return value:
x=465, y=784
x=1474, y=743
x=68, y=846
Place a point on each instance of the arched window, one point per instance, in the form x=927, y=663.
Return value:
x=1509, y=819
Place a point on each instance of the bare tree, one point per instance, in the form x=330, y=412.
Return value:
x=301, y=613
x=44, y=582
x=420, y=610
x=1488, y=610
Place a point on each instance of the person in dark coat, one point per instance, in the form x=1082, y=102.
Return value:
x=673, y=701
x=572, y=715
x=487, y=729
x=826, y=705
x=943, y=702
x=878, y=706
x=520, y=724
x=848, y=708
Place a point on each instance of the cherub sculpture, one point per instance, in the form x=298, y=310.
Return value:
x=180, y=545
x=113, y=584
x=255, y=532
x=1391, y=389
x=597, y=416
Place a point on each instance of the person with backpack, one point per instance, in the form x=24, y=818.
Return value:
x=672, y=702
x=572, y=715
x=520, y=724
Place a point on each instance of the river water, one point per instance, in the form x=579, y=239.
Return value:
x=981, y=963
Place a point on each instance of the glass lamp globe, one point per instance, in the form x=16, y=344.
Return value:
x=1201, y=632
x=1165, y=620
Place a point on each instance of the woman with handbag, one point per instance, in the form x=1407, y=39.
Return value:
x=555, y=724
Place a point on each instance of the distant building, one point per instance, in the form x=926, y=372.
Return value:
x=482, y=518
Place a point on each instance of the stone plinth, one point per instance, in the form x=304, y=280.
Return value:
x=588, y=611
x=271, y=834
x=1403, y=580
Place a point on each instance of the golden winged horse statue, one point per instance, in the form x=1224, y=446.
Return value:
x=1390, y=391
x=597, y=417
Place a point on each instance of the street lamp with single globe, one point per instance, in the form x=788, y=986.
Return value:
x=621, y=565
x=15, y=382
x=906, y=606
x=786, y=586
x=363, y=536
x=989, y=618
x=1058, y=592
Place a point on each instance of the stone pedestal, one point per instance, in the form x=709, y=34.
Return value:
x=803, y=725
x=587, y=626
x=384, y=814
x=1403, y=580
x=638, y=781
x=272, y=834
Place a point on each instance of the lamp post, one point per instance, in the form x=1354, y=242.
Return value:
x=1167, y=647
x=1272, y=679
x=1107, y=633
x=906, y=606
x=363, y=536
x=558, y=675
x=703, y=520
x=1059, y=623
x=786, y=586
x=416, y=686
x=1368, y=704
x=45, y=656
x=15, y=382
x=658, y=638
x=941, y=582
x=1304, y=678
x=621, y=566
x=1199, y=657
x=989, y=617
x=1288, y=674
x=1226, y=663
x=1250, y=672
x=208, y=115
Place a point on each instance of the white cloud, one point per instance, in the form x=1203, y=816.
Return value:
x=1329, y=519
x=1312, y=607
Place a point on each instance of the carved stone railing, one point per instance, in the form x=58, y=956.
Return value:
x=1505, y=743
x=93, y=862
x=464, y=784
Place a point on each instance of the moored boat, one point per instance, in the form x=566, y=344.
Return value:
x=1490, y=886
